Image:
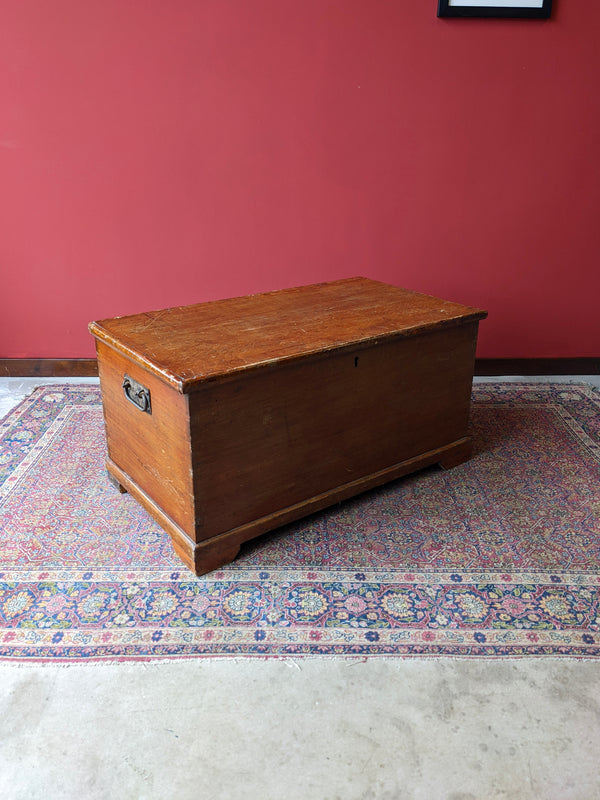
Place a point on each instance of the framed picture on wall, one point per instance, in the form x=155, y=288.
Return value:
x=529, y=9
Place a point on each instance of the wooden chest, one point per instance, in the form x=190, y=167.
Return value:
x=230, y=418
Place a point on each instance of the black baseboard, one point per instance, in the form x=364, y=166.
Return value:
x=88, y=367
x=537, y=366
x=48, y=367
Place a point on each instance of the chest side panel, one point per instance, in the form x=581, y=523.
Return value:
x=153, y=449
x=268, y=440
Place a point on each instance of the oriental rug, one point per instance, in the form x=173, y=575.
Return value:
x=497, y=557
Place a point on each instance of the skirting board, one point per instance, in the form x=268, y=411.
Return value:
x=88, y=368
x=48, y=368
x=537, y=366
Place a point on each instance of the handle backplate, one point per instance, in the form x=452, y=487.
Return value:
x=137, y=394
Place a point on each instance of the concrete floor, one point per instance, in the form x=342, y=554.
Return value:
x=317, y=728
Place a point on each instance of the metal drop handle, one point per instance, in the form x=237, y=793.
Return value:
x=137, y=394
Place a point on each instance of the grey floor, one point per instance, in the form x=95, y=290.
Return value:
x=318, y=728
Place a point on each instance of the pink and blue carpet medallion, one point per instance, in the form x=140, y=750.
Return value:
x=499, y=556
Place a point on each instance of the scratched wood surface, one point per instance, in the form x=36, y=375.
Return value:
x=270, y=407
x=270, y=439
x=189, y=344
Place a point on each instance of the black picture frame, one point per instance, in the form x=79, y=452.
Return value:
x=494, y=8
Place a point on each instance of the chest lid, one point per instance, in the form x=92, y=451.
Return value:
x=187, y=345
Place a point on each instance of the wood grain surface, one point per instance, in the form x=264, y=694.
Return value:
x=288, y=402
x=189, y=344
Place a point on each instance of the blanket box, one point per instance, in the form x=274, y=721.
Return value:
x=230, y=418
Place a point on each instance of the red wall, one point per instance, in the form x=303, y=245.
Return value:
x=159, y=153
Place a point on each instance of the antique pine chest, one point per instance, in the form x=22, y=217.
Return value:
x=230, y=418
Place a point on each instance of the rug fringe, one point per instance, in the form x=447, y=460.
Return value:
x=350, y=660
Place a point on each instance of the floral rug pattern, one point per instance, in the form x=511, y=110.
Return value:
x=499, y=556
